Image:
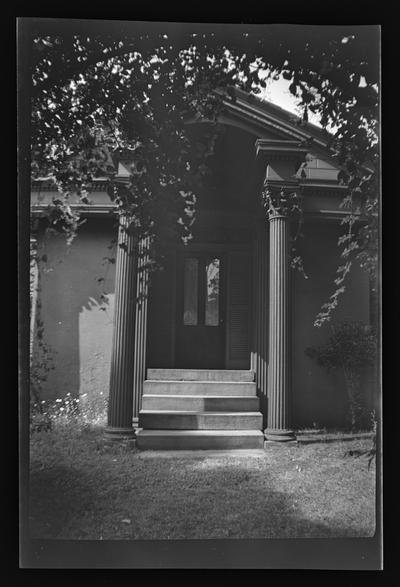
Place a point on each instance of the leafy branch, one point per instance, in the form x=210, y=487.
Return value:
x=103, y=97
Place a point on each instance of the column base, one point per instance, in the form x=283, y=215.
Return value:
x=113, y=433
x=276, y=435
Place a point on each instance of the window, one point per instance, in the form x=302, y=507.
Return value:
x=212, y=293
x=190, y=292
x=201, y=291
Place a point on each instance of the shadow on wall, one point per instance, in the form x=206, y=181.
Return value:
x=77, y=302
x=320, y=399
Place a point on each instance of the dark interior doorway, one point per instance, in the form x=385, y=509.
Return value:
x=200, y=317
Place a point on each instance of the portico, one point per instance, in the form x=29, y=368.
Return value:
x=224, y=302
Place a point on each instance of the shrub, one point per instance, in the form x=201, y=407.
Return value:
x=352, y=348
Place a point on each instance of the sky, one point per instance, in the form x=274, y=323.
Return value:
x=278, y=93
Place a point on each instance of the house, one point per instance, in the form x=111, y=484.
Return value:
x=210, y=351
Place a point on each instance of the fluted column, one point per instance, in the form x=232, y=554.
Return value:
x=139, y=373
x=279, y=343
x=34, y=283
x=120, y=407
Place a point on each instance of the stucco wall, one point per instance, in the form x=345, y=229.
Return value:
x=76, y=328
x=320, y=398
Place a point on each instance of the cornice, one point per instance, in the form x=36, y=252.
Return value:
x=323, y=189
x=282, y=117
x=92, y=209
x=265, y=119
x=97, y=185
x=281, y=150
x=329, y=216
x=46, y=185
x=108, y=210
x=251, y=115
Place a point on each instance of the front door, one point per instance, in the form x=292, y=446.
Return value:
x=200, y=328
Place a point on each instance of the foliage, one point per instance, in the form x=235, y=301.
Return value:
x=68, y=412
x=352, y=348
x=41, y=354
x=42, y=363
x=370, y=452
x=104, y=93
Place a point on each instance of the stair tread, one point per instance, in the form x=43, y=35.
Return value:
x=208, y=381
x=196, y=412
x=206, y=374
x=143, y=432
x=196, y=370
x=199, y=396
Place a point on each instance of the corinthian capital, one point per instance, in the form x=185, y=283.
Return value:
x=280, y=200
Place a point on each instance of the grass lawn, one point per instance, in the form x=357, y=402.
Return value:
x=83, y=488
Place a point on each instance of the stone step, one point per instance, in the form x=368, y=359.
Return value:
x=197, y=403
x=200, y=374
x=174, y=420
x=199, y=439
x=164, y=387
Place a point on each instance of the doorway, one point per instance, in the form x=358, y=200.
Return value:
x=201, y=310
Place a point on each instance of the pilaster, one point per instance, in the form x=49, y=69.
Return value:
x=139, y=357
x=259, y=357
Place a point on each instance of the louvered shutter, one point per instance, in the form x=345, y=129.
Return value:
x=238, y=318
x=161, y=316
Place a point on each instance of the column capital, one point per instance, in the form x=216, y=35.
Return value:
x=281, y=200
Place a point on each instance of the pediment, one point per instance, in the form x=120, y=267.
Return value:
x=268, y=122
x=266, y=119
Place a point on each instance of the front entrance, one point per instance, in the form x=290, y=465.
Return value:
x=201, y=310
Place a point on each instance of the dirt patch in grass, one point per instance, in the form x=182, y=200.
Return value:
x=82, y=488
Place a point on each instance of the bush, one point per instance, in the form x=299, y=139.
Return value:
x=352, y=347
